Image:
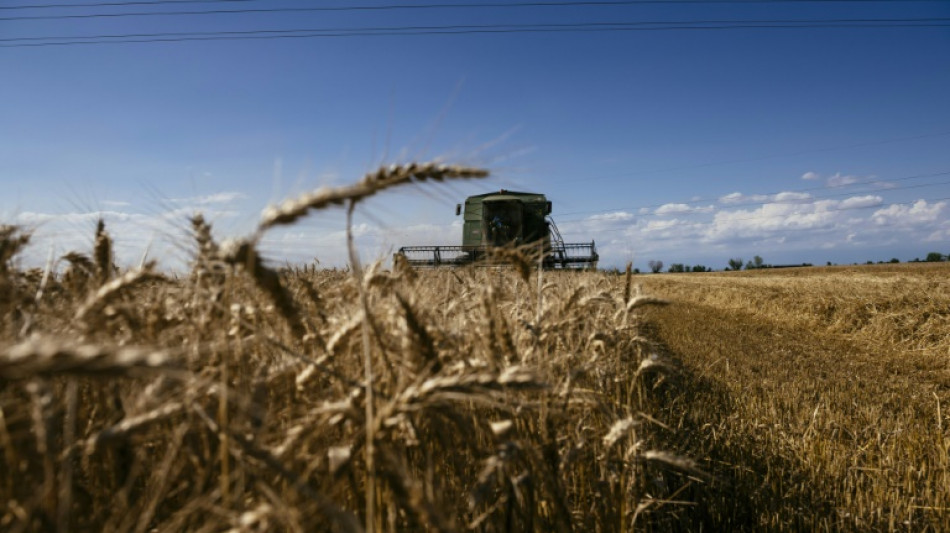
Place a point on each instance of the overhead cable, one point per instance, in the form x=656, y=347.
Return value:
x=594, y=27
x=390, y=7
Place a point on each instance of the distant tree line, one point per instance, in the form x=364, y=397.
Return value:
x=737, y=263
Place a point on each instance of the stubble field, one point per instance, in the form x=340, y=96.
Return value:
x=818, y=394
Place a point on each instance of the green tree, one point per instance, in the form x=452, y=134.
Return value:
x=655, y=266
x=735, y=263
x=934, y=257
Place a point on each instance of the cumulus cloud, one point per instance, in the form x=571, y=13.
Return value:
x=810, y=176
x=789, y=224
x=941, y=235
x=739, y=198
x=839, y=180
x=772, y=220
x=672, y=209
x=920, y=212
x=858, y=202
x=792, y=197
x=132, y=234
x=164, y=233
x=208, y=199
x=660, y=225
x=612, y=217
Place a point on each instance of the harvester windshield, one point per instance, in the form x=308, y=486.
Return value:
x=502, y=222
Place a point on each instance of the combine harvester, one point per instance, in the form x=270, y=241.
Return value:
x=505, y=219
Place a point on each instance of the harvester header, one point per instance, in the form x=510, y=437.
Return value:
x=505, y=219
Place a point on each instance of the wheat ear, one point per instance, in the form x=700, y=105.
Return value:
x=12, y=240
x=103, y=253
x=242, y=253
x=289, y=211
x=50, y=357
x=109, y=290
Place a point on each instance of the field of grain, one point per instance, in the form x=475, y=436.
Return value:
x=818, y=395
x=240, y=397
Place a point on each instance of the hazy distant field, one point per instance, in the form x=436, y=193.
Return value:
x=234, y=397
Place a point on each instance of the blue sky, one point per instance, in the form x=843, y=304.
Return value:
x=686, y=146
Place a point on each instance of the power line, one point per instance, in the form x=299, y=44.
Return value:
x=463, y=30
x=462, y=5
x=118, y=4
x=605, y=25
x=387, y=7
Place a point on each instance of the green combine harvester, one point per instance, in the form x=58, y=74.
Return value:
x=505, y=219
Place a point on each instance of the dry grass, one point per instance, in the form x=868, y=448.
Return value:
x=236, y=398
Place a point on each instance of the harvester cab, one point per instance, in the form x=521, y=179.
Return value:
x=505, y=219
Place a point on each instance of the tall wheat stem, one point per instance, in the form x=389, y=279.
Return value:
x=367, y=370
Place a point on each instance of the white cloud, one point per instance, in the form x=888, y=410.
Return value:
x=792, y=197
x=225, y=197
x=810, y=176
x=771, y=220
x=909, y=215
x=731, y=198
x=672, y=209
x=612, y=217
x=739, y=198
x=132, y=234
x=858, y=202
x=941, y=235
x=839, y=180
x=660, y=225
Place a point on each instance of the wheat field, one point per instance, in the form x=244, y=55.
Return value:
x=238, y=396
x=242, y=397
